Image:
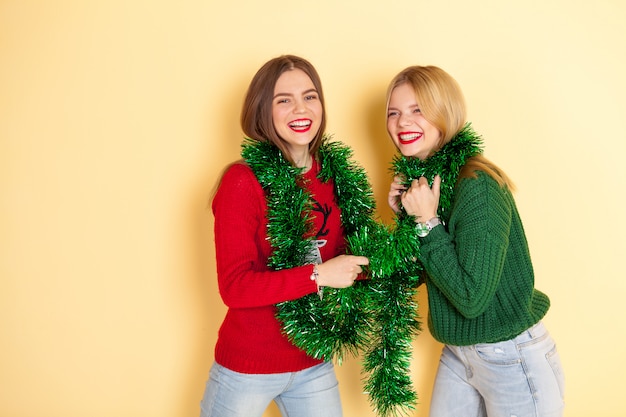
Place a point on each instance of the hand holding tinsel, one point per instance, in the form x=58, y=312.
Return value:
x=340, y=271
x=396, y=190
x=421, y=200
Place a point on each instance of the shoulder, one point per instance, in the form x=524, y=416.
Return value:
x=238, y=174
x=479, y=179
x=479, y=164
x=237, y=181
x=481, y=192
x=483, y=179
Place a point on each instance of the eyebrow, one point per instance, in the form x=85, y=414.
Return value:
x=311, y=90
x=397, y=108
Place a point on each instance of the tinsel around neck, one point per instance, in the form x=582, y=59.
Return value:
x=329, y=328
x=289, y=203
x=446, y=162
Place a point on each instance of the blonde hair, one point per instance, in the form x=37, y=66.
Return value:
x=441, y=102
x=480, y=163
x=439, y=97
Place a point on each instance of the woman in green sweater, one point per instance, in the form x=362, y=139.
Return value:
x=498, y=358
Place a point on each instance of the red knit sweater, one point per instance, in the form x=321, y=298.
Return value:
x=250, y=338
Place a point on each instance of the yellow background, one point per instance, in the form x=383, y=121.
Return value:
x=116, y=117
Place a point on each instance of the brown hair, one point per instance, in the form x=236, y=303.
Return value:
x=256, y=114
x=441, y=102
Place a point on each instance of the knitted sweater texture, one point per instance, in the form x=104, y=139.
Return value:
x=250, y=339
x=480, y=276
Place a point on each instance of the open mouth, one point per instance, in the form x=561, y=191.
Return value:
x=407, y=138
x=300, y=125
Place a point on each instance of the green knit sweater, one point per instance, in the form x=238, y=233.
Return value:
x=480, y=277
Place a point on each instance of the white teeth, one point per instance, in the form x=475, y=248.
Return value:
x=409, y=136
x=300, y=123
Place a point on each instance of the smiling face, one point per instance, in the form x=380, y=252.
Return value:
x=412, y=134
x=296, y=111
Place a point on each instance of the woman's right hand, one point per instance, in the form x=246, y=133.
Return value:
x=395, y=191
x=422, y=200
x=340, y=271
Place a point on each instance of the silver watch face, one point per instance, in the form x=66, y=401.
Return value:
x=422, y=229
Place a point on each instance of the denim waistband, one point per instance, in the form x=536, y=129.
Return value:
x=531, y=333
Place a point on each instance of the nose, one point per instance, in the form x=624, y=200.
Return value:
x=299, y=106
x=404, y=120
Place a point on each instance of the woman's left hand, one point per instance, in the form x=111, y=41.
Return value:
x=421, y=200
x=395, y=192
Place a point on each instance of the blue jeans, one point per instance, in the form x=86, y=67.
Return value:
x=312, y=392
x=521, y=377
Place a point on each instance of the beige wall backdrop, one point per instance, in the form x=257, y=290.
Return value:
x=117, y=116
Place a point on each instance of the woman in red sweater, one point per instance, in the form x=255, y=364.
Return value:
x=255, y=363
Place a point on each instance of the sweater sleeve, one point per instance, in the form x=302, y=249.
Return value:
x=466, y=261
x=242, y=249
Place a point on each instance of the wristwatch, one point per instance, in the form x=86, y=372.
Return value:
x=423, y=229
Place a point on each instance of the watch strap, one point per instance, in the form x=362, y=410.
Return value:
x=423, y=229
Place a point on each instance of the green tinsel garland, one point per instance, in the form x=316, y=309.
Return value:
x=447, y=162
x=337, y=325
x=377, y=316
x=397, y=275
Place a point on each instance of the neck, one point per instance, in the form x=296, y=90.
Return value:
x=303, y=160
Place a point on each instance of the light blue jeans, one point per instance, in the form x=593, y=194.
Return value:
x=312, y=392
x=521, y=377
